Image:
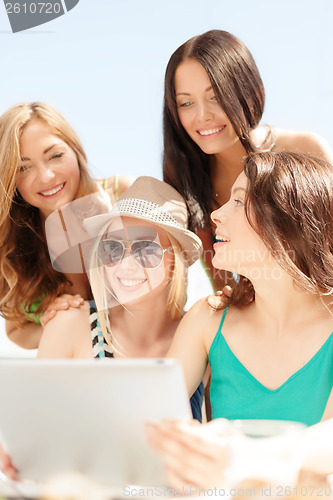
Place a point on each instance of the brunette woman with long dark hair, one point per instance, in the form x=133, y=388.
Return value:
x=213, y=103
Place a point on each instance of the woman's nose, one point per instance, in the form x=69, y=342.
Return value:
x=128, y=261
x=219, y=215
x=45, y=174
x=204, y=111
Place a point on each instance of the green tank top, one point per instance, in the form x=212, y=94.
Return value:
x=236, y=394
x=32, y=314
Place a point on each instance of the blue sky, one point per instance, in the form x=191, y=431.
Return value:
x=102, y=66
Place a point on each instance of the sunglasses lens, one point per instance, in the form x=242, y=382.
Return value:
x=148, y=253
x=110, y=252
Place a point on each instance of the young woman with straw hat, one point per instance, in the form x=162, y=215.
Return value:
x=139, y=259
x=139, y=254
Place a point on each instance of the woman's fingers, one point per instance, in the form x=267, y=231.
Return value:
x=66, y=301
x=193, y=455
x=227, y=291
x=220, y=299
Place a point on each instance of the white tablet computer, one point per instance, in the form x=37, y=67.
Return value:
x=60, y=416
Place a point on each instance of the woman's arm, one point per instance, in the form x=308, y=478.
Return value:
x=318, y=443
x=27, y=336
x=189, y=344
x=67, y=335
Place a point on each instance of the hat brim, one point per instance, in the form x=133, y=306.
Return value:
x=190, y=243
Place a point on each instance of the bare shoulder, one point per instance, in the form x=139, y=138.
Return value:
x=120, y=183
x=203, y=306
x=69, y=321
x=203, y=316
x=117, y=183
x=303, y=142
x=124, y=182
x=201, y=323
x=66, y=334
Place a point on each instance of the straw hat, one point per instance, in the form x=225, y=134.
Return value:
x=157, y=202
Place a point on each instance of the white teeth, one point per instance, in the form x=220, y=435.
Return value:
x=221, y=239
x=210, y=131
x=131, y=282
x=52, y=191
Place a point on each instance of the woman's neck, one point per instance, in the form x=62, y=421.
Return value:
x=230, y=159
x=225, y=167
x=229, y=162
x=281, y=304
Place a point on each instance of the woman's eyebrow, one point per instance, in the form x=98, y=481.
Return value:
x=25, y=158
x=238, y=189
x=187, y=93
x=50, y=147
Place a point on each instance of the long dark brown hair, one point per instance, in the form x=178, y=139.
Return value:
x=240, y=92
x=289, y=203
x=26, y=273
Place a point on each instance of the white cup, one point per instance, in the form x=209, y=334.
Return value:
x=267, y=454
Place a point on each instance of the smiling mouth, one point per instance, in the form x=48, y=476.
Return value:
x=131, y=283
x=211, y=131
x=53, y=191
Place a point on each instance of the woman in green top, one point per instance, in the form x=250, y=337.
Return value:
x=271, y=349
x=42, y=167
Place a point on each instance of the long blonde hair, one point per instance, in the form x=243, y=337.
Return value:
x=26, y=273
x=177, y=287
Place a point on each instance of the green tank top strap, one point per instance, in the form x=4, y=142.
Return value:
x=222, y=320
x=116, y=187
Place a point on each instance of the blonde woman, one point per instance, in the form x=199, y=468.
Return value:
x=138, y=275
x=42, y=167
x=139, y=260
